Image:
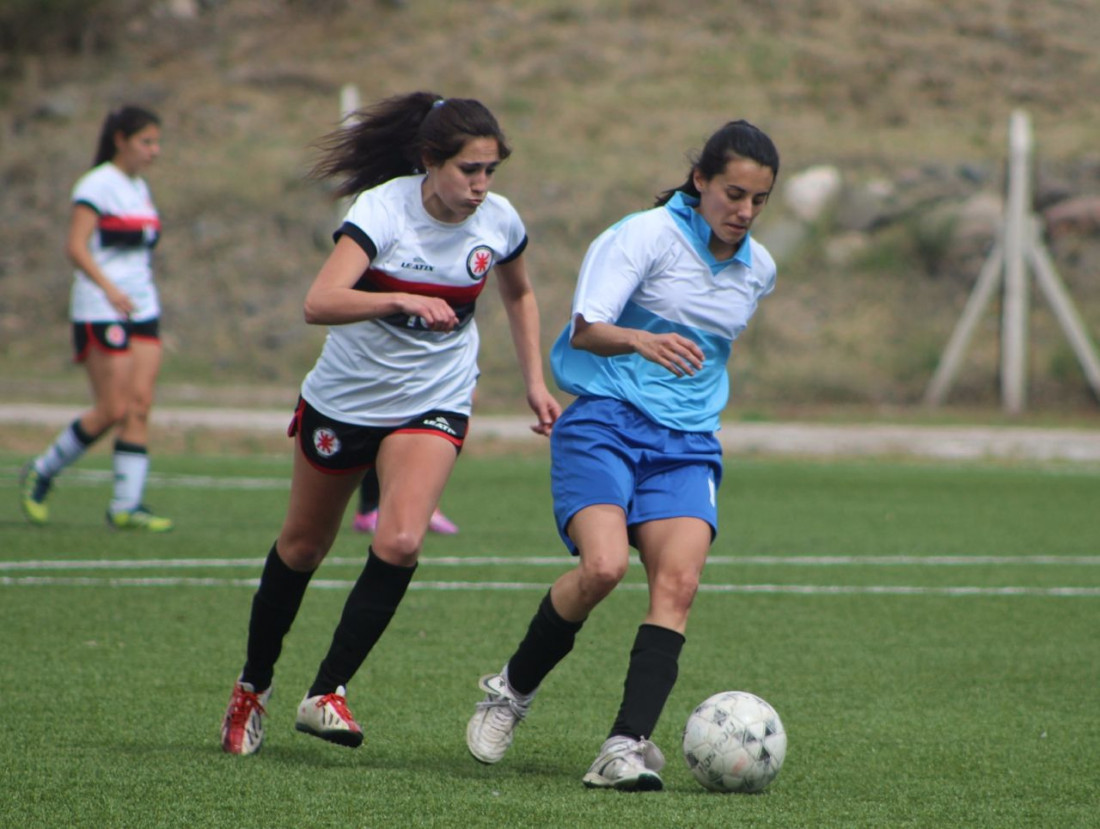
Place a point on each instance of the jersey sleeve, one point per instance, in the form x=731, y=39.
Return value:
x=91, y=191
x=515, y=234
x=371, y=223
x=612, y=270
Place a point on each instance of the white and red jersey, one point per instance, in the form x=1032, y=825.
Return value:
x=127, y=228
x=382, y=372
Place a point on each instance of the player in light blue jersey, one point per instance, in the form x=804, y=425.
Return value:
x=660, y=299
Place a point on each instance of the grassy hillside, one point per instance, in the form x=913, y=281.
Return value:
x=603, y=101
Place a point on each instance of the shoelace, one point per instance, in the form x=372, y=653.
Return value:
x=339, y=704
x=518, y=709
x=651, y=755
x=244, y=702
x=498, y=721
x=641, y=751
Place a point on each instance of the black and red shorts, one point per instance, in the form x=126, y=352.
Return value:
x=340, y=448
x=111, y=337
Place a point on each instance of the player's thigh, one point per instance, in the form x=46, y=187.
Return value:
x=147, y=356
x=600, y=535
x=315, y=510
x=109, y=376
x=677, y=486
x=590, y=466
x=673, y=552
x=413, y=468
x=673, y=548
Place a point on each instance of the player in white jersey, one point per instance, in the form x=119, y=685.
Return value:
x=115, y=316
x=393, y=387
x=635, y=462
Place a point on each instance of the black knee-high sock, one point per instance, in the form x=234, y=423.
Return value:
x=274, y=607
x=549, y=638
x=369, y=493
x=370, y=606
x=649, y=680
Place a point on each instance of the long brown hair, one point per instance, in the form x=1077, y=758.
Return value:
x=395, y=136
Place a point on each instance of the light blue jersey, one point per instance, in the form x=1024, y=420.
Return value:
x=653, y=271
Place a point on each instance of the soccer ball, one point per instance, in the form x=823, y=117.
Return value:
x=734, y=742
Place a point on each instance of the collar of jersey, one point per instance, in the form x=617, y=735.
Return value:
x=695, y=227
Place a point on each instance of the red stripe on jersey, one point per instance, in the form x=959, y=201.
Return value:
x=377, y=280
x=129, y=224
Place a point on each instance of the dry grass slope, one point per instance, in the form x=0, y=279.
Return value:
x=602, y=101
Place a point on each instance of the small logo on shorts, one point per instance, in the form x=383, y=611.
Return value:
x=479, y=261
x=440, y=423
x=325, y=442
x=115, y=335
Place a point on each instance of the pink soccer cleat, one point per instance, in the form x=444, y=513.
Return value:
x=440, y=523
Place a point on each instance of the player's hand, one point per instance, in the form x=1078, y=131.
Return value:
x=673, y=351
x=546, y=408
x=436, y=313
x=120, y=301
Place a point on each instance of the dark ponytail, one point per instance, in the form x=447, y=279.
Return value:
x=127, y=120
x=737, y=139
x=394, y=136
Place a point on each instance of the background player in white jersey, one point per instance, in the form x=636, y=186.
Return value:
x=394, y=384
x=660, y=298
x=115, y=313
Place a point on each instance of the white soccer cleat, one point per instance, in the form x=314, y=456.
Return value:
x=243, y=725
x=327, y=716
x=627, y=765
x=490, y=730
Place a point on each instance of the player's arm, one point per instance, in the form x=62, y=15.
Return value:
x=82, y=224
x=333, y=300
x=673, y=351
x=615, y=265
x=523, y=320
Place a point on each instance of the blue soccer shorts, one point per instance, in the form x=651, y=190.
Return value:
x=605, y=451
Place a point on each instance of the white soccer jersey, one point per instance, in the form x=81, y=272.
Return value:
x=654, y=271
x=127, y=229
x=383, y=372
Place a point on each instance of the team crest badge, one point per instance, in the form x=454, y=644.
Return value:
x=479, y=262
x=115, y=335
x=325, y=442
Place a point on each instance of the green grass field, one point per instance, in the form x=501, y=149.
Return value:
x=927, y=632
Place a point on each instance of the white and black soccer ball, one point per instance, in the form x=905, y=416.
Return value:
x=734, y=742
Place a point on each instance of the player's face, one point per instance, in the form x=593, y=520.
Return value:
x=136, y=152
x=453, y=190
x=731, y=201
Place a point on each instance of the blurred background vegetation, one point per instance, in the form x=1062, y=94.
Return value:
x=603, y=101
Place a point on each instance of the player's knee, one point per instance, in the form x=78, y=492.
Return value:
x=401, y=548
x=601, y=575
x=676, y=591
x=139, y=406
x=111, y=413
x=303, y=553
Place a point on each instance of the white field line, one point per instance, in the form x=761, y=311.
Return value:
x=458, y=561
x=564, y=560
x=98, y=477
x=480, y=586
x=83, y=477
